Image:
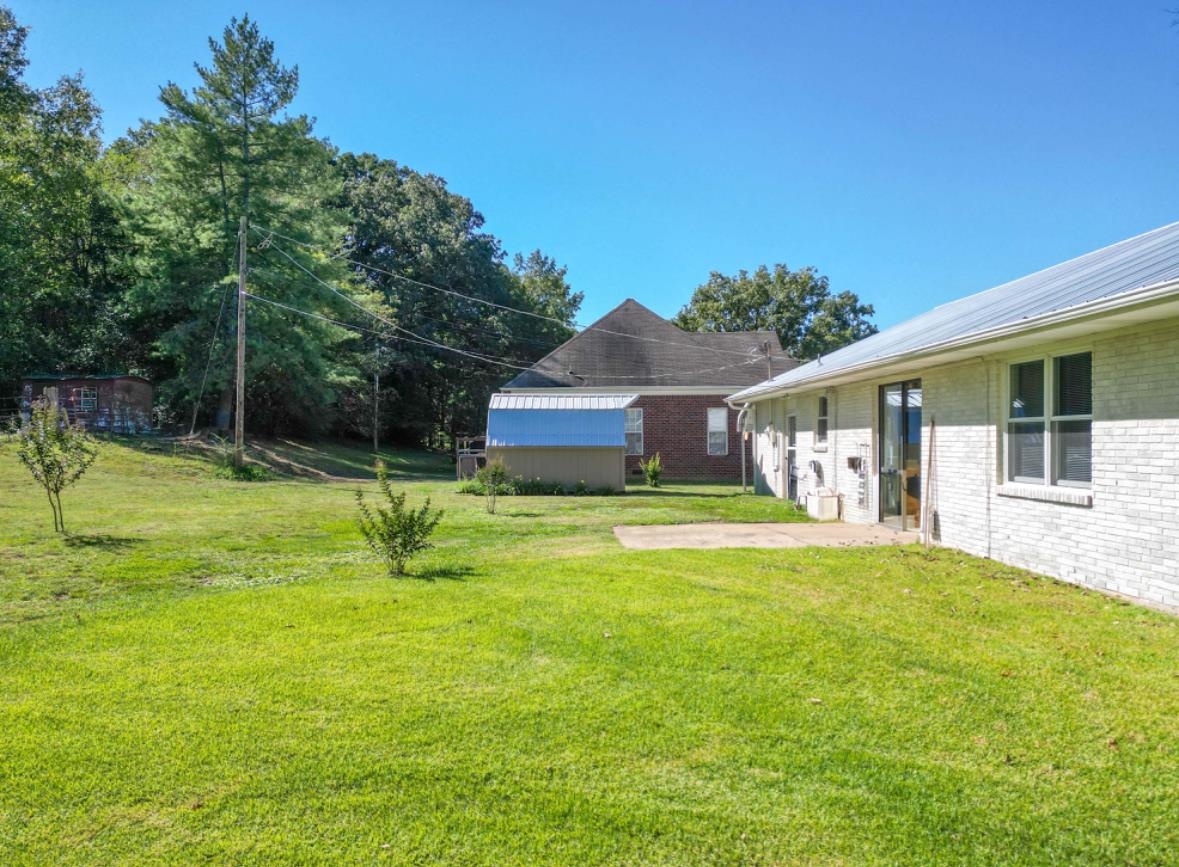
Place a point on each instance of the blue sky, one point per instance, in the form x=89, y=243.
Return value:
x=914, y=152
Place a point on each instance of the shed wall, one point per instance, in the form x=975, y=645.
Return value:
x=597, y=467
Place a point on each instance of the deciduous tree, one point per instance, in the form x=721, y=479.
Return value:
x=809, y=319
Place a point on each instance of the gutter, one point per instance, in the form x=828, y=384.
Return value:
x=1125, y=300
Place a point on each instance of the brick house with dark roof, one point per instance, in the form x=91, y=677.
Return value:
x=681, y=378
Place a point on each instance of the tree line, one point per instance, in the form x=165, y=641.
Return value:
x=125, y=258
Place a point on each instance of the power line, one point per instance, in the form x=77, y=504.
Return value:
x=487, y=358
x=452, y=292
x=490, y=359
x=421, y=342
x=208, y=363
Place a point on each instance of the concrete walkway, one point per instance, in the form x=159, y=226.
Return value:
x=717, y=535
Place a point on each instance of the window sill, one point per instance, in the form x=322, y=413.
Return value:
x=821, y=447
x=1048, y=494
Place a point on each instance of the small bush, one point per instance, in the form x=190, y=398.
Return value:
x=652, y=469
x=55, y=452
x=494, y=477
x=244, y=473
x=223, y=451
x=396, y=533
x=580, y=489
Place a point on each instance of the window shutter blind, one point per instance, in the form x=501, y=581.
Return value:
x=1074, y=384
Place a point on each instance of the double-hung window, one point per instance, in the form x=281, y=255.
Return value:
x=718, y=431
x=821, y=422
x=87, y=399
x=1050, y=421
x=634, y=431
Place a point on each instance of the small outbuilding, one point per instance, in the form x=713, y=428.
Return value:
x=116, y=402
x=566, y=439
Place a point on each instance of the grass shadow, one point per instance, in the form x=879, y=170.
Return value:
x=442, y=573
x=101, y=540
x=659, y=492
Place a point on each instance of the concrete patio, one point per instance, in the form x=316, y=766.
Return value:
x=718, y=535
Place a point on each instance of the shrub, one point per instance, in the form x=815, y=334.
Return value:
x=581, y=489
x=223, y=451
x=396, y=533
x=652, y=469
x=494, y=477
x=56, y=453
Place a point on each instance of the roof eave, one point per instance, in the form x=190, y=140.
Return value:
x=1146, y=296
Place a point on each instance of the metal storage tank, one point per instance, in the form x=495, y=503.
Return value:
x=561, y=438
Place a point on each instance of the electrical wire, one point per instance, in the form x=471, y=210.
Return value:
x=196, y=407
x=320, y=248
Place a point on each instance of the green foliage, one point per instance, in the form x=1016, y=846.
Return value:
x=396, y=533
x=56, y=453
x=224, y=150
x=798, y=305
x=652, y=469
x=411, y=225
x=493, y=476
x=534, y=487
x=58, y=284
x=127, y=259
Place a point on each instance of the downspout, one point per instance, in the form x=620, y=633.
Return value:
x=741, y=413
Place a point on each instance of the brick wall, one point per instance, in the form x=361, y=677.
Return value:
x=1121, y=534
x=676, y=426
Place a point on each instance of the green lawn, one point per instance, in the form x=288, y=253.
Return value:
x=215, y=672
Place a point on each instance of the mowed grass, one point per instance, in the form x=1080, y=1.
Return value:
x=215, y=672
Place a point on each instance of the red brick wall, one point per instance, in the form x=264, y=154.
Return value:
x=676, y=426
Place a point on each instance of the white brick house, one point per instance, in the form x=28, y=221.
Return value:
x=1036, y=423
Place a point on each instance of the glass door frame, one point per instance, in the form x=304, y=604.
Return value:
x=905, y=436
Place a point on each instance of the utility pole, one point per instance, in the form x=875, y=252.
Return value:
x=239, y=415
x=376, y=396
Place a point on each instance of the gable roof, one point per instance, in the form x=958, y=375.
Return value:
x=1120, y=269
x=632, y=347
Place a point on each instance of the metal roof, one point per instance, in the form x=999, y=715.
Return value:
x=562, y=402
x=61, y=377
x=1145, y=260
x=563, y=421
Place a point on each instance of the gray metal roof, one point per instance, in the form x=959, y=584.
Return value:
x=562, y=401
x=634, y=347
x=1141, y=261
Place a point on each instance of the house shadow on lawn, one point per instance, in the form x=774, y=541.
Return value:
x=101, y=540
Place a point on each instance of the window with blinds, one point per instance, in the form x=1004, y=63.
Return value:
x=1050, y=420
x=718, y=431
x=634, y=431
x=1072, y=420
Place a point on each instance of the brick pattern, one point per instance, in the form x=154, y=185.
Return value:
x=676, y=426
x=1126, y=542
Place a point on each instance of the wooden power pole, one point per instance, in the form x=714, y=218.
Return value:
x=239, y=415
x=376, y=397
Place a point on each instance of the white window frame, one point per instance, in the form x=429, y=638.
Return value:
x=710, y=431
x=822, y=425
x=634, y=425
x=87, y=398
x=1048, y=422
